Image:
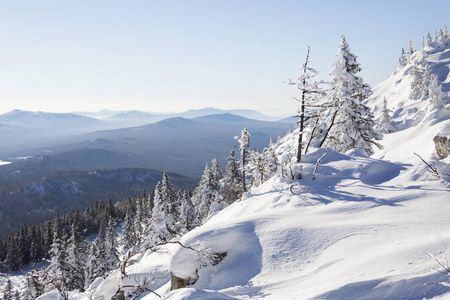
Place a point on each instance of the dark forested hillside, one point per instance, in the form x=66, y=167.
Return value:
x=32, y=191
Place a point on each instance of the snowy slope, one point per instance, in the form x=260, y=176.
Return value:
x=362, y=229
x=416, y=122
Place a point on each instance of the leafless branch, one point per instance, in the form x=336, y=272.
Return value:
x=431, y=169
x=317, y=164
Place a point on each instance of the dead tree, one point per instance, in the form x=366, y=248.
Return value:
x=308, y=91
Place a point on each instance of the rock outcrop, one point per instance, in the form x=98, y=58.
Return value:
x=442, y=145
x=178, y=283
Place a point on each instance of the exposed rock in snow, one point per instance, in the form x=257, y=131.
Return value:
x=442, y=145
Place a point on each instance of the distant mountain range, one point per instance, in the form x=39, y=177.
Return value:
x=176, y=144
x=53, y=156
x=24, y=130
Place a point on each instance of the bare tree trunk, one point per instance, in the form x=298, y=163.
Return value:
x=243, y=170
x=302, y=109
x=329, y=128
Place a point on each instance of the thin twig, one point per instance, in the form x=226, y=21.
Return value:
x=432, y=169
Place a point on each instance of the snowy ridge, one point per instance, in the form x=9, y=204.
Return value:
x=416, y=122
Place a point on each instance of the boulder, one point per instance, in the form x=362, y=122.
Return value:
x=179, y=283
x=442, y=145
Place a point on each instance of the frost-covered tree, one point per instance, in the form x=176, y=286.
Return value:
x=97, y=262
x=385, y=123
x=170, y=197
x=403, y=60
x=164, y=224
x=76, y=259
x=147, y=204
x=351, y=121
x=166, y=209
x=187, y=212
x=112, y=258
x=232, y=181
x=428, y=40
x=207, y=196
x=244, y=143
x=128, y=235
x=435, y=91
x=138, y=217
x=424, y=84
x=309, y=97
x=59, y=267
x=411, y=50
x=30, y=292
x=445, y=35
x=35, y=285
x=261, y=165
x=159, y=207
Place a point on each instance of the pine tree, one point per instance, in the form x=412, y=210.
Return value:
x=24, y=245
x=402, y=61
x=270, y=161
x=352, y=121
x=59, y=267
x=410, y=50
x=169, y=196
x=35, y=286
x=128, y=235
x=30, y=292
x=244, y=143
x=13, y=259
x=207, y=197
x=138, y=217
x=98, y=260
x=76, y=259
x=147, y=204
x=232, y=182
x=7, y=291
x=112, y=258
x=445, y=35
x=165, y=212
x=424, y=84
x=36, y=247
x=385, y=123
x=187, y=212
x=429, y=40
x=159, y=206
x=435, y=91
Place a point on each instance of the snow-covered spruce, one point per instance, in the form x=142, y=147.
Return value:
x=350, y=123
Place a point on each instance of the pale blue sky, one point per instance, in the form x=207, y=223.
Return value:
x=167, y=55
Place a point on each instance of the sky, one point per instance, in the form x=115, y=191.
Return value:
x=171, y=56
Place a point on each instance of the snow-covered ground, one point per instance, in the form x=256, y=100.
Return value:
x=363, y=228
